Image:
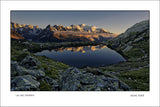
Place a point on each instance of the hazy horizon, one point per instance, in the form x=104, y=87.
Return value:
x=113, y=21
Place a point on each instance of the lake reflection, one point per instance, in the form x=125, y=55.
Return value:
x=82, y=49
x=99, y=55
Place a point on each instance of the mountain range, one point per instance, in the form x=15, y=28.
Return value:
x=81, y=32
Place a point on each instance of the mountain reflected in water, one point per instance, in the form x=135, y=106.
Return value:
x=81, y=56
x=82, y=49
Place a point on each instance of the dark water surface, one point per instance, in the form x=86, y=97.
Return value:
x=84, y=55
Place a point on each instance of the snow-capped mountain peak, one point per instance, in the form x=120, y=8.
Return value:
x=62, y=33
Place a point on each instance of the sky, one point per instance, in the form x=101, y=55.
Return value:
x=113, y=21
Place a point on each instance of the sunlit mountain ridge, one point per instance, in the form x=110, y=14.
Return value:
x=60, y=33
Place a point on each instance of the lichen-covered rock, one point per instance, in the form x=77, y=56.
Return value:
x=24, y=83
x=52, y=82
x=30, y=62
x=36, y=73
x=75, y=80
x=70, y=80
x=87, y=79
x=17, y=70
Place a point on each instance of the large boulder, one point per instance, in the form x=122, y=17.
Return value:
x=17, y=70
x=52, y=82
x=70, y=80
x=75, y=80
x=91, y=82
x=37, y=73
x=30, y=62
x=24, y=83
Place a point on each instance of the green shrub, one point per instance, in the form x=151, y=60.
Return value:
x=44, y=86
x=18, y=55
x=135, y=53
x=53, y=73
x=21, y=56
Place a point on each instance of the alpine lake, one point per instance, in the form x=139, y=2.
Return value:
x=81, y=56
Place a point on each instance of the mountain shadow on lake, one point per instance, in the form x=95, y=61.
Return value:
x=81, y=56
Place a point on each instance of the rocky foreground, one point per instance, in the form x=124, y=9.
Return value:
x=26, y=76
